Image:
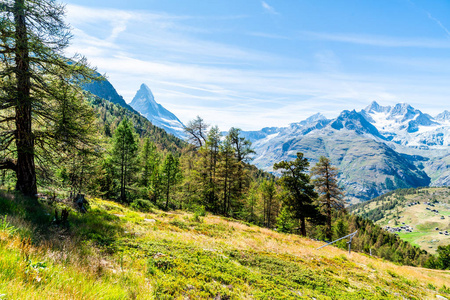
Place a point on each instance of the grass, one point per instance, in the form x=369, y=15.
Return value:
x=114, y=252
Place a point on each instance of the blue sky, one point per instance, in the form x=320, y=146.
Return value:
x=254, y=64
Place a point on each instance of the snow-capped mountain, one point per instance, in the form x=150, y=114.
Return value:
x=144, y=102
x=377, y=149
x=444, y=116
x=410, y=127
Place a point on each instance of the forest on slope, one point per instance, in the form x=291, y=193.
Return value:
x=420, y=216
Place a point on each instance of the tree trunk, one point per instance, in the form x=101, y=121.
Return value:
x=303, y=226
x=167, y=190
x=26, y=170
x=328, y=229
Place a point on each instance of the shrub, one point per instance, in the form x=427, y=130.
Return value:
x=142, y=205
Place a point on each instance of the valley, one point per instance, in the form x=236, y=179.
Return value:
x=412, y=208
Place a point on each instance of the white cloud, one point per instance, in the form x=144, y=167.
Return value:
x=269, y=8
x=439, y=23
x=379, y=41
x=229, y=85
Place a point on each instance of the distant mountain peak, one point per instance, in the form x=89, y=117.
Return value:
x=145, y=103
x=315, y=117
x=310, y=120
x=145, y=88
x=375, y=107
x=443, y=116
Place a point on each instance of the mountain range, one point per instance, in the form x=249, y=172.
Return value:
x=377, y=149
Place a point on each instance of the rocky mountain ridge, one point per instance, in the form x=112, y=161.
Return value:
x=377, y=149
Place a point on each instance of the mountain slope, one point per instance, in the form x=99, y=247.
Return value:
x=115, y=252
x=409, y=208
x=110, y=115
x=144, y=102
x=105, y=90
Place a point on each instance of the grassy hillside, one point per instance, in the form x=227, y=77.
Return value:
x=113, y=252
x=395, y=210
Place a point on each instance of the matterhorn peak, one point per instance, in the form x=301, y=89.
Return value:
x=144, y=102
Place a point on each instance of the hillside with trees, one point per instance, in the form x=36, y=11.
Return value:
x=94, y=191
x=419, y=216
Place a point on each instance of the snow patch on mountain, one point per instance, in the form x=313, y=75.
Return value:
x=404, y=125
x=144, y=102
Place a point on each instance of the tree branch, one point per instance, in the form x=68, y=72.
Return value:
x=8, y=164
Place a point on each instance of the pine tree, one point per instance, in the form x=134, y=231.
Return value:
x=33, y=74
x=124, y=153
x=331, y=196
x=284, y=220
x=149, y=160
x=300, y=192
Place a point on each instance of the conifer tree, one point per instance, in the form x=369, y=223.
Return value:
x=284, y=220
x=243, y=150
x=170, y=175
x=212, y=151
x=150, y=160
x=331, y=196
x=227, y=175
x=196, y=132
x=300, y=192
x=124, y=154
x=33, y=74
x=268, y=191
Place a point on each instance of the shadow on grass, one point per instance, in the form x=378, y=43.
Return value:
x=35, y=219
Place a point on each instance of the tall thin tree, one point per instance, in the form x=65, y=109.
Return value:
x=170, y=174
x=124, y=154
x=331, y=196
x=33, y=35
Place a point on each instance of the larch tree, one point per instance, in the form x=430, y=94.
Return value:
x=124, y=155
x=170, y=175
x=227, y=175
x=212, y=151
x=243, y=151
x=268, y=192
x=331, y=196
x=300, y=192
x=196, y=131
x=33, y=73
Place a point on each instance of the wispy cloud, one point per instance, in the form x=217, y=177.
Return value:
x=230, y=85
x=379, y=41
x=269, y=8
x=269, y=35
x=439, y=23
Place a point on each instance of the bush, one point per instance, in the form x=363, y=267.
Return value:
x=142, y=205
